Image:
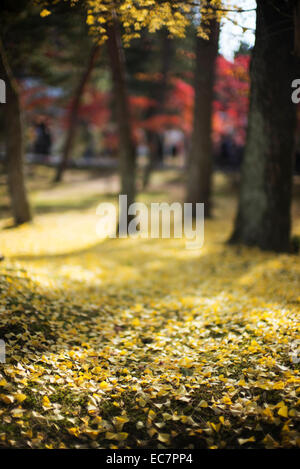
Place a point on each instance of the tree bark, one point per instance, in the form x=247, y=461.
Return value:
x=74, y=110
x=14, y=144
x=200, y=162
x=264, y=213
x=297, y=27
x=127, y=149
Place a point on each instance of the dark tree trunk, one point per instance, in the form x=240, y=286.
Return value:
x=127, y=150
x=264, y=217
x=74, y=110
x=14, y=144
x=155, y=146
x=200, y=162
x=297, y=27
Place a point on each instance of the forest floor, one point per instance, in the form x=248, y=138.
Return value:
x=143, y=343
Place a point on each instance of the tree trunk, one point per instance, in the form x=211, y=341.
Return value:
x=200, y=163
x=264, y=217
x=297, y=27
x=14, y=144
x=127, y=150
x=74, y=110
x=155, y=146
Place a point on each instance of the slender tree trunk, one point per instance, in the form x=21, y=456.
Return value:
x=264, y=213
x=14, y=144
x=160, y=96
x=127, y=149
x=74, y=110
x=297, y=27
x=201, y=152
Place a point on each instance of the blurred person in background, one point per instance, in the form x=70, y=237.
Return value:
x=43, y=143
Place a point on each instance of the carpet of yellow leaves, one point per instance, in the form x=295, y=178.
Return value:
x=142, y=343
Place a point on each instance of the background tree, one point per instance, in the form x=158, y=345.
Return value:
x=14, y=21
x=74, y=111
x=264, y=217
x=200, y=162
x=14, y=143
x=127, y=149
x=22, y=31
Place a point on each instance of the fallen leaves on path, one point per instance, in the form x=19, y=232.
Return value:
x=136, y=343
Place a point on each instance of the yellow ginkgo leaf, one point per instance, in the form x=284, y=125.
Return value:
x=164, y=438
x=20, y=397
x=136, y=322
x=74, y=431
x=6, y=399
x=91, y=433
x=46, y=402
x=283, y=411
x=203, y=404
x=45, y=13
x=104, y=385
x=242, y=441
